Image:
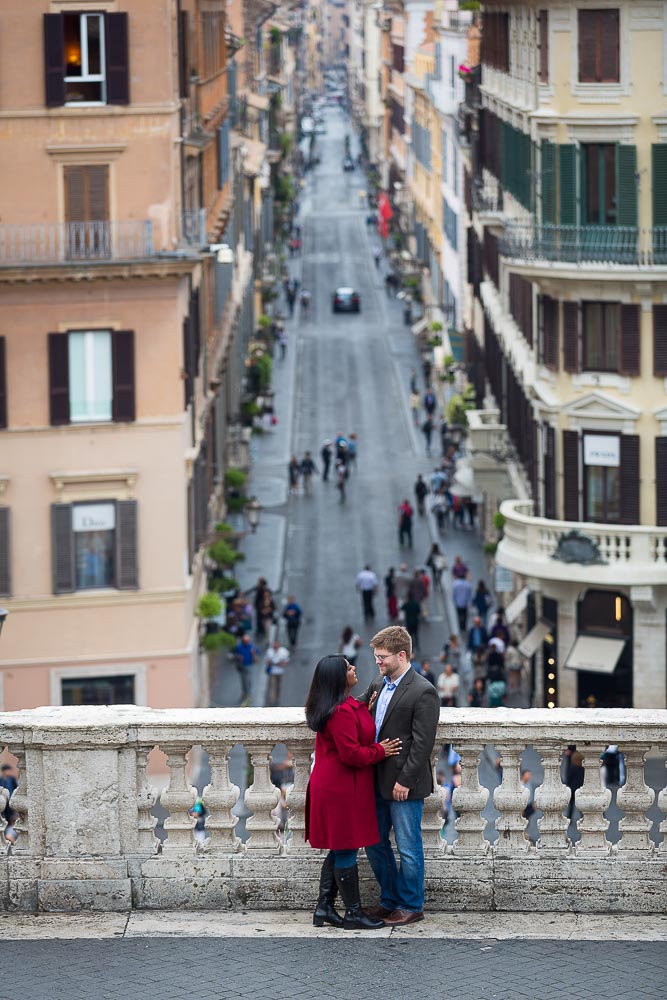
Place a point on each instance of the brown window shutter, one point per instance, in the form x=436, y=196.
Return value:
x=62, y=545
x=661, y=481
x=571, y=476
x=5, y=560
x=608, y=55
x=122, y=357
x=660, y=340
x=587, y=46
x=550, y=472
x=54, y=60
x=549, y=332
x=571, y=336
x=97, y=181
x=630, y=340
x=117, y=59
x=127, y=575
x=58, y=379
x=75, y=194
x=629, y=479
x=3, y=383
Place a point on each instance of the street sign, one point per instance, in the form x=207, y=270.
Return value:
x=504, y=582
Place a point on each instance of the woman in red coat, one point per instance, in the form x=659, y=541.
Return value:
x=340, y=800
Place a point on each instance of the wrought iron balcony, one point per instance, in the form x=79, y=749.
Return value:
x=624, y=245
x=61, y=243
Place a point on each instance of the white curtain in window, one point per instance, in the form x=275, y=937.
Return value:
x=90, y=376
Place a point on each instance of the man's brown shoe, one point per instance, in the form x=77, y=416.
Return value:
x=378, y=911
x=401, y=917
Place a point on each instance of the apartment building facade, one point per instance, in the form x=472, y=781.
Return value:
x=567, y=189
x=121, y=347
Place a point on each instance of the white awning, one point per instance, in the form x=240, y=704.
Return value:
x=600, y=656
x=530, y=644
x=419, y=326
x=517, y=606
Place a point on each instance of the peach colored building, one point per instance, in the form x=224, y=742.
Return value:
x=117, y=170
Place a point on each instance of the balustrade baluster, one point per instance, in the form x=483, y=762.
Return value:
x=146, y=796
x=469, y=799
x=592, y=799
x=552, y=798
x=19, y=802
x=432, y=817
x=662, y=806
x=4, y=799
x=178, y=798
x=296, y=799
x=635, y=798
x=219, y=798
x=511, y=798
x=261, y=799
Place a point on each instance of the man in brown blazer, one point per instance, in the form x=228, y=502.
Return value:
x=405, y=706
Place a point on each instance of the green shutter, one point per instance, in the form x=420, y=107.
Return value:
x=626, y=185
x=659, y=170
x=548, y=182
x=567, y=178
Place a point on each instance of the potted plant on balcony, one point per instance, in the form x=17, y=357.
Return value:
x=235, y=480
x=210, y=611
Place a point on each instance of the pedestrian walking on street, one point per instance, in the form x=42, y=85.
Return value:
x=405, y=515
x=402, y=583
x=247, y=655
x=390, y=594
x=367, y=585
x=341, y=477
x=292, y=614
x=477, y=640
x=427, y=431
x=482, y=600
x=411, y=609
x=267, y=610
x=260, y=591
x=341, y=448
x=340, y=814
x=307, y=468
x=401, y=784
x=436, y=563
x=291, y=298
x=293, y=470
x=276, y=659
x=415, y=403
x=420, y=491
x=448, y=686
x=459, y=568
x=414, y=387
x=430, y=401
x=352, y=452
x=377, y=255
x=304, y=300
x=462, y=595
x=350, y=644
x=424, y=670
x=325, y=455
x=282, y=340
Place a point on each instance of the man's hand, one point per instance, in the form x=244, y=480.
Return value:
x=400, y=792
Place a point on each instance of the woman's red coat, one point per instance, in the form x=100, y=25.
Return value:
x=340, y=800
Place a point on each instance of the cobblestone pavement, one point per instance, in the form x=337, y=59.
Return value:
x=286, y=969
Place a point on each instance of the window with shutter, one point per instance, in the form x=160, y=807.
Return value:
x=629, y=479
x=659, y=195
x=59, y=406
x=567, y=184
x=600, y=336
x=122, y=354
x=54, y=60
x=183, y=54
x=660, y=340
x=626, y=186
x=571, y=336
x=661, y=481
x=630, y=340
x=5, y=554
x=127, y=570
x=571, y=476
x=599, y=46
x=62, y=545
x=117, y=58
x=87, y=212
x=549, y=472
x=3, y=384
x=548, y=182
x=549, y=332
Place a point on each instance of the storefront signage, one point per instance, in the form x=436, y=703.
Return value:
x=602, y=449
x=94, y=517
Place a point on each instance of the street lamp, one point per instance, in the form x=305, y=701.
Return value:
x=253, y=509
x=3, y=615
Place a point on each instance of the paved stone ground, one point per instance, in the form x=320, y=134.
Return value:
x=283, y=969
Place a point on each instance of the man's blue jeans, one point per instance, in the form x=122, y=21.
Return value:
x=401, y=887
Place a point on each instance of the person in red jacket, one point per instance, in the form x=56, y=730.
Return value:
x=340, y=798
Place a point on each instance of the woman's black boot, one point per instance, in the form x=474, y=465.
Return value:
x=348, y=886
x=324, y=911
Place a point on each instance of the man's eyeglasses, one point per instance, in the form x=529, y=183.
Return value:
x=381, y=659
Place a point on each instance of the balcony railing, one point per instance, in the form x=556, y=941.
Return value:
x=57, y=243
x=625, y=245
x=88, y=812
x=634, y=555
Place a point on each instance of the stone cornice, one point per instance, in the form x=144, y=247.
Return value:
x=107, y=270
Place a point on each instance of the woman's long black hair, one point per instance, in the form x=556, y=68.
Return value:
x=327, y=690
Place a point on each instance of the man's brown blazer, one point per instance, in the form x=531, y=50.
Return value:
x=412, y=716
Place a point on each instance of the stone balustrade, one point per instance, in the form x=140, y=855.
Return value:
x=87, y=829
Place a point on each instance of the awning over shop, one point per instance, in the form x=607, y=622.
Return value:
x=530, y=644
x=420, y=326
x=600, y=656
x=517, y=606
